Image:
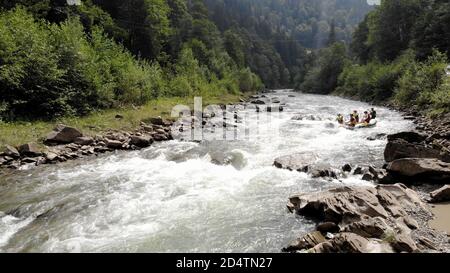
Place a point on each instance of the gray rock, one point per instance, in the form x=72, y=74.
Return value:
x=308, y=241
x=156, y=121
x=84, y=140
x=343, y=243
x=441, y=195
x=50, y=156
x=11, y=151
x=296, y=162
x=113, y=144
x=411, y=137
x=63, y=134
x=369, y=227
x=30, y=149
x=141, y=141
x=420, y=170
x=258, y=102
x=398, y=149
x=327, y=227
x=358, y=170
x=160, y=137
x=347, y=168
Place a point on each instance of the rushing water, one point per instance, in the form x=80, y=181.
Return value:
x=175, y=197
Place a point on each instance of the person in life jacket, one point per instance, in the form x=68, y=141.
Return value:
x=356, y=116
x=366, y=118
x=340, y=119
x=352, y=121
x=373, y=113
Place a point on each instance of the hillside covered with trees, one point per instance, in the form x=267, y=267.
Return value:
x=398, y=54
x=58, y=59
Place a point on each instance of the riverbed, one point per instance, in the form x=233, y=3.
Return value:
x=179, y=196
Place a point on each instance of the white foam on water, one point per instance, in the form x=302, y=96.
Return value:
x=188, y=197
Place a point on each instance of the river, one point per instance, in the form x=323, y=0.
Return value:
x=175, y=197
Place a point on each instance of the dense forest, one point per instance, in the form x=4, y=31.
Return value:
x=398, y=54
x=60, y=58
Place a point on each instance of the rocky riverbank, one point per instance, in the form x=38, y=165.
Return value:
x=66, y=143
x=391, y=217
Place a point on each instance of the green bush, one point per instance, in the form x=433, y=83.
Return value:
x=50, y=70
x=421, y=83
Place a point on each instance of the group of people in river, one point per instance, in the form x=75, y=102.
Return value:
x=355, y=119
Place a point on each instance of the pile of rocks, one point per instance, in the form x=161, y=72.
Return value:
x=385, y=218
x=67, y=143
x=308, y=163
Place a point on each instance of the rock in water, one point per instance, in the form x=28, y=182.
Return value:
x=258, y=102
x=420, y=170
x=441, y=195
x=63, y=134
x=296, y=162
x=347, y=168
x=141, y=141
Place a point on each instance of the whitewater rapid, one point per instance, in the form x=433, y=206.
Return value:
x=211, y=196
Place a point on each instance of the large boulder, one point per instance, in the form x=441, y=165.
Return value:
x=296, y=162
x=441, y=195
x=63, y=134
x=338, y=205
x=10, y=151
x=398, y=149
x=411, y=137
x=372, y=219
x=420, y=170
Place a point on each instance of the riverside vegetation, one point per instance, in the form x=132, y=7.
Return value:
x=59, y=62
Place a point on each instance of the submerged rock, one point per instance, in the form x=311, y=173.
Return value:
x=296, y=162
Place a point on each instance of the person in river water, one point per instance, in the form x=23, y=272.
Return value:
x=373, y=113
x=340, y=119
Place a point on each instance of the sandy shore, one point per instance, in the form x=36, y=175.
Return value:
x=441, y=220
